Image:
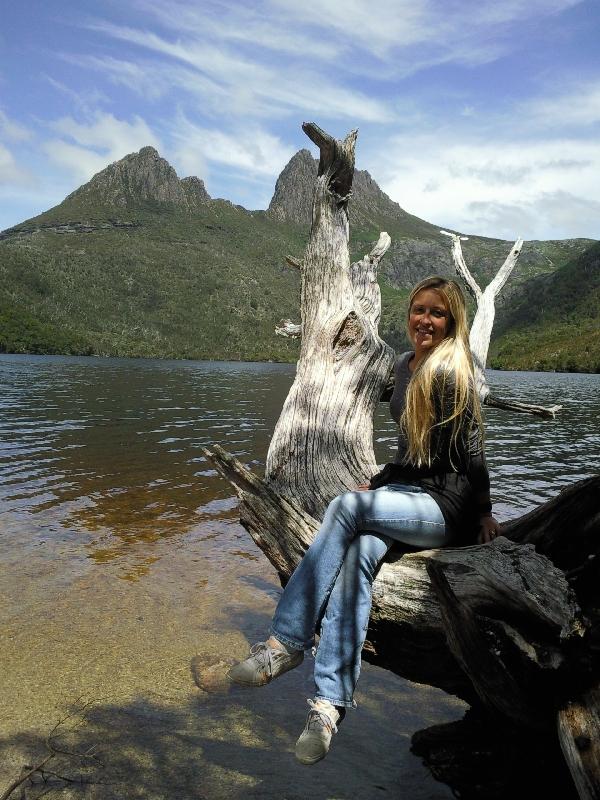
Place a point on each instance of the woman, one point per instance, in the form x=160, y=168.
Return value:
x=435, y=493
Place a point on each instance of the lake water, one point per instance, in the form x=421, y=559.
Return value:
x=121, y=559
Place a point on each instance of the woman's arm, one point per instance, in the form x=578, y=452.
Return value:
x=479, y=478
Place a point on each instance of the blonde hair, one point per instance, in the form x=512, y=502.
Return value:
x=444, y=375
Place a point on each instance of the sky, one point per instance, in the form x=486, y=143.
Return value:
x=479, y=116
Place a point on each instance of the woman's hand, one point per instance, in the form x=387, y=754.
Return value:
x=362, y=487
x=489, y=528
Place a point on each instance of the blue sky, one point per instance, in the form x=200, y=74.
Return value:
x=480, y=116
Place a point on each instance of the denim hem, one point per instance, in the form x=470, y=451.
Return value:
x=344, y=703
x=290, y=642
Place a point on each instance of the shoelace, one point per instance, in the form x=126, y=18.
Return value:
x=318, y=715
x=263, y=654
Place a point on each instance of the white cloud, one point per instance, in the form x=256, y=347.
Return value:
x=246, y=86
x=10, y=172
x=252, y=151
x=243, y=25
x=576, y=106
x=86, y=103
x=97, y=142
x=397, y=23
x=495, y=186
x=80, y=162
x=107, y=132
x=281, y=57
x=149, y=83
x=462, y=31
x=562, y=214
x=13, y=131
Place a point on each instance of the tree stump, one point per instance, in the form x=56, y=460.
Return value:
x=512, y=627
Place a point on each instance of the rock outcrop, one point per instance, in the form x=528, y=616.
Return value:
x=370, y=206
x=143, y=177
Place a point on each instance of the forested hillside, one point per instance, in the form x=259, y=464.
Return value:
x=138, y=262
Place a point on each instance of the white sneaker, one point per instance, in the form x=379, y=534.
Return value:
x=321, y=724
x=264, y=664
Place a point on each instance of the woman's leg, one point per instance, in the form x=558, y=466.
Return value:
x=304, y=598
x=344, y=624
x=401, y=513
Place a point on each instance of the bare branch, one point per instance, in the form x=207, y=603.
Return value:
x=380, y=248
x=483, y=322
x=460, y=265
x=79, y=718
x=547, y=412
x=363, y=275
x=291, y=261
x=578, y=725
x=506, y=268
x=20, y=781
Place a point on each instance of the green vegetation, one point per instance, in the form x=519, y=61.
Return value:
x=158, y=279
x=554, y=321
x=175, y=285
x=20, y=332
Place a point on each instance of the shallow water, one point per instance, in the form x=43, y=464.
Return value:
x=121, y=558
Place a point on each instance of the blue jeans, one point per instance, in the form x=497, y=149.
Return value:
x=332, y=583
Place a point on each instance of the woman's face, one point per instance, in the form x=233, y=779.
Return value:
x=429, y=320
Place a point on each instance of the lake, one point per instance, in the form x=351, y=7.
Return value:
x=122, y=560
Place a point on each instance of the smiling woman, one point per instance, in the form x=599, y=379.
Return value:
x=436, y=489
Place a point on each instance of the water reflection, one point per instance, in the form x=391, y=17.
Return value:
x=111, y=448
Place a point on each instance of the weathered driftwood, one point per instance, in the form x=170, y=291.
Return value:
x=289, y=329
x=323, y=440
x=579, y=735
x=502, y=625
x=483, y=322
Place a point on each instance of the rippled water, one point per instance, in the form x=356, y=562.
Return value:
x=114, y=446
x=114, y=523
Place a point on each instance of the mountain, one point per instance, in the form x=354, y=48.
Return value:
x=417, y=247
x=554, y=323
x=138, y=262
x=139, y=178
x=370, y=206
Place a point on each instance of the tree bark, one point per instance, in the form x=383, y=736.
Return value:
x=322, y=443
x=532, y=627
x=579, y=736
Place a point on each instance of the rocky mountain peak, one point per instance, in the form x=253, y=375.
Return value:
x=195, y=191
x=139, y=178
x=292, y=199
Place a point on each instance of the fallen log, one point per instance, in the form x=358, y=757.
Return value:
x=510, y=627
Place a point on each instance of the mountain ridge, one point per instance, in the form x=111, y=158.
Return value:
x=167, y=265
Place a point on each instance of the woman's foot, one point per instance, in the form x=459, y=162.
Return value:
x=321, y=724
x=267, y=660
